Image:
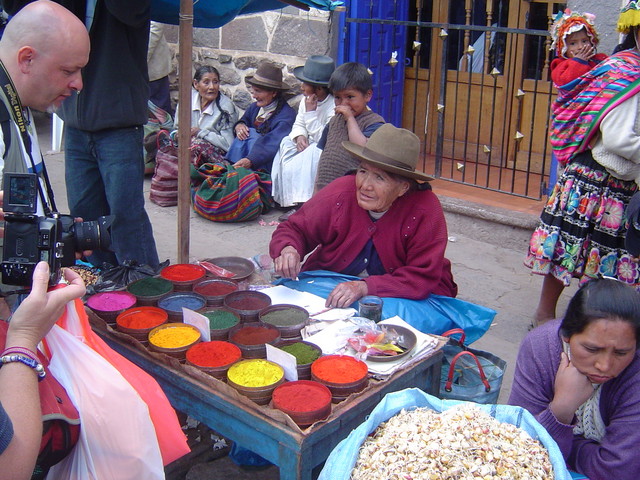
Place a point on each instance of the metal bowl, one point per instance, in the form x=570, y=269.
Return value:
x=409, y=341
x=242, y=267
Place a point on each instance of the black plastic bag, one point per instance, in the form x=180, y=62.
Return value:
x=118, y=277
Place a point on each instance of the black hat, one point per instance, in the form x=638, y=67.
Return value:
x=632, y=239
x=317, y=70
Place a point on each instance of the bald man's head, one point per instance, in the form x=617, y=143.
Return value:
x=44, y=48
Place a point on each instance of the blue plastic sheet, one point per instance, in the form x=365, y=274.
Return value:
x=343, y=457
x=436, y=314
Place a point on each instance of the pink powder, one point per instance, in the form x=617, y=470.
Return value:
x=111, y=301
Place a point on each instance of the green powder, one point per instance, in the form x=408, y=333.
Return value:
x=284, y=317
x=219, y=319
x=150, y=287
x=304, y=353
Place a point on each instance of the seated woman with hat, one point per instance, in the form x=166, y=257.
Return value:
x=295, y=165
x=381, y=231
x=265, y=123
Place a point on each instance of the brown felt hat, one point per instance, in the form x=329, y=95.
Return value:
x=267, y=75
x=394, y=150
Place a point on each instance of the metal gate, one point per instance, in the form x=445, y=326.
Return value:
x=469, y=77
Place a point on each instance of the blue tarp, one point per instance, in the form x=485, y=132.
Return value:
x=216, y=13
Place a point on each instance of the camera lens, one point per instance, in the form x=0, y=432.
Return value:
x=94, y=235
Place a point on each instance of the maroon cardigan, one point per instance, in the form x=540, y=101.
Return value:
x=410, y=239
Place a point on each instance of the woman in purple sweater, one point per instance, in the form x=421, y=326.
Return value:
x=580, y=377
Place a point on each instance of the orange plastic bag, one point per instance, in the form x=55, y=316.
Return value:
x=171, y=439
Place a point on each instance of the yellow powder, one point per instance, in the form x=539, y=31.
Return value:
x=255, y=373
x=174, y=337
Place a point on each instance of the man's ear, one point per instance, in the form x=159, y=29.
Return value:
x=368, y=95
x=26, y=55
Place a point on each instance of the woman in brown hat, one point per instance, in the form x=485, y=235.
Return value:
x=383, y=225
x=265, y=123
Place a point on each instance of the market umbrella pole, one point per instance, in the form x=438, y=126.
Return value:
x=184, y=130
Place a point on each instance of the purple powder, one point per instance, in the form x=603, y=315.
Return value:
x=111, y=301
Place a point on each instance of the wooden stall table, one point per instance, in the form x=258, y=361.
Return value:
x=266, y=431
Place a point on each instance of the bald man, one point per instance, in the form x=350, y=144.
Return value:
x=42, y=52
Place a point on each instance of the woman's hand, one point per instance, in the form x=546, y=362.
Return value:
x=194, y=131
x=287, y=265
x=242, y=131
x=41, y=309
x=301, y=142
x=243, y=162
x=572, y=389
x=346, y=293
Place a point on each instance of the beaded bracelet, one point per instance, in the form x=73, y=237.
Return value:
x=29, y=362
x=22, y=351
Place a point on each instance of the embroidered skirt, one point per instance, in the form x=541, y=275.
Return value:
x=582, y=226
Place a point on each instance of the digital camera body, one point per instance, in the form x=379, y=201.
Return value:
x=30, y=238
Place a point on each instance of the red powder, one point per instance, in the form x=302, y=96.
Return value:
x=213, y=354
x=301, y=396
x=183, y=272
x=254, y=335
x=247, y=303
x=339, y=369
x=215, y=289
x=142, y=318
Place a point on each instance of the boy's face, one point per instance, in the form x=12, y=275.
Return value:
x=354, y=99
x=576, y=41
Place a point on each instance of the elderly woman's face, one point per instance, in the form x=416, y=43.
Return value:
x=603, y=350
x=376, y=189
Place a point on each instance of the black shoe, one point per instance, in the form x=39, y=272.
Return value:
x=285, y=216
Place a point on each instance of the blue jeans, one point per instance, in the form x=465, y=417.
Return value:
x=104, y=173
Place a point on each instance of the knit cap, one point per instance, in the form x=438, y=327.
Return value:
x=568, y=22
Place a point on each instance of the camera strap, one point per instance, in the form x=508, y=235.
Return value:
x=18, y=115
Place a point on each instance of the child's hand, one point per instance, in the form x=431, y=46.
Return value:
x=345, y=111
x=585, y=52
x=311, y=102
x=301, y=143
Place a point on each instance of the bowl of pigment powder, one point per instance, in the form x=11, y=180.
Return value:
x=139, y=321
x=251, y=338
x=183, y=275
x=215, y=289
x=289, y=319
x=174, y=339
x=174, y=302
x=306, y=353
x=304, y=401
x=149, y=290
x=341, y=374
x=108, y=305
x=214, y=357
x=255, y=378
x=247, y=304
x=221, y=321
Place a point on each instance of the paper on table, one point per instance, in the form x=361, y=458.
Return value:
x=285, y=360
x=333, y=338
x=199, y=321
x=310, y=302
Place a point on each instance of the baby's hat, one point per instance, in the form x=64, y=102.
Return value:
x=569, y=22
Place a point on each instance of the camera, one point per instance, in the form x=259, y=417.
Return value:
x=53, y=238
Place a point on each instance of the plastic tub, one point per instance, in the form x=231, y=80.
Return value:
x=183, y=275
x=247, y=304
x=215, y=289
x=214, y=357
x=252, y=385
x=251, y=338
x=221, y=321
x=304, y=368
x=304, y=401
x=108, y=305
x=149, y=290
x=139, y=321
x=288, y=319
x=174, y=302
x=344, y=366
x=183, y=335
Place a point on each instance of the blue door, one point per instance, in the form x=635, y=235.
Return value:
x=381, y=47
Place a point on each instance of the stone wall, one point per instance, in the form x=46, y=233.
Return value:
x=286, y=37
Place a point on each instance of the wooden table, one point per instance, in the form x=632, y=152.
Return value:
x=295, y=452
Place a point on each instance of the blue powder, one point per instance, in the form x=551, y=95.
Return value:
x=175, y=303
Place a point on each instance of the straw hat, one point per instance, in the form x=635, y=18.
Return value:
x=316, y=70
x=392, y=149
x=268, y=76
